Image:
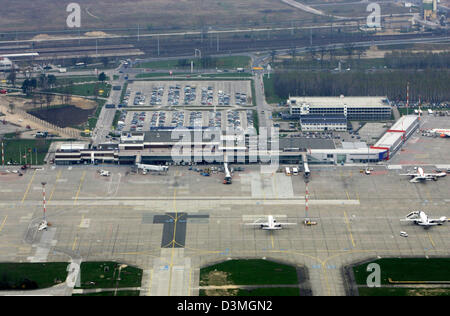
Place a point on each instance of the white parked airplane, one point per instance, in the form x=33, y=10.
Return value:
x=271, y=224
x=422, y=219
x=440, y=132
x=420, y=175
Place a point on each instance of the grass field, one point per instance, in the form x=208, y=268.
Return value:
x=106, y=275
x=26, y=151
x=243, y=272
x=414, y=269
x=76, y=79
x=229, y=75
x=40, y=275
x=151, y=15
x=275, y=291
x=255, y=272
x=85, y=90
x=229, y=62
x=158, y=74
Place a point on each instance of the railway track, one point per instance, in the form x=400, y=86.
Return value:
x=185, y=46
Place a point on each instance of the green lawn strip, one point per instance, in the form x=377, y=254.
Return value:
x=116, y=119
x=92, y=121
x=407, y=269
x=64, y=80
x=124, y=91
x=107, y=277
x=253, y=272
x=228, y=62
x=196, y=79
x=86, y=89
x=274, y=291
x=228, y=75
x=118, y=293
x=383, y=291
x=40, y=275
x=26, y=150
x=159, y=74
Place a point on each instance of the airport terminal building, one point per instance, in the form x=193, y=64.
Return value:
x=200, y=146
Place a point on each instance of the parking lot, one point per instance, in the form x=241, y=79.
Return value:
x=162, y=94
x=142, y=121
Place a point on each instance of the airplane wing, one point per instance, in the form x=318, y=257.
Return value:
x=409, y=174
x=416, y=179
x=286, y=224
x=428, y=224
x=256, y=224
x=438, y=220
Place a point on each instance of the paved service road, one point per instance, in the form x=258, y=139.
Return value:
x=106, y=118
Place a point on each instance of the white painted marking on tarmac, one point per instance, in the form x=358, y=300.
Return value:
x=394, y=167
x=85, y=223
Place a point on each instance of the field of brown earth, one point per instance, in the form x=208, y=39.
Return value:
x=42, y=15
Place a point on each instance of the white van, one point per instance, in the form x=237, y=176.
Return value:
x=288, y=171
x=295, y=171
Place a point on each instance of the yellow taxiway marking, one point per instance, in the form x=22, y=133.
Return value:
x=431, y=240
x=3, y=223
x=79, y=188
x=29, y=186
x=74, y=243
x=348, y=196
x=82, y=220
x=173, y=239
x=151, y=280
x=349, y=230
x=54, y=187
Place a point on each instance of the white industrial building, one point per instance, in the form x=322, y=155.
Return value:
x=384, y=149
x=353, y=108
x=156, y=147
x=398, y=134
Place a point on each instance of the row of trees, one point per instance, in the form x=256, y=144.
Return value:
x=42, y=82
x=430, y=85
x=409, y=60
